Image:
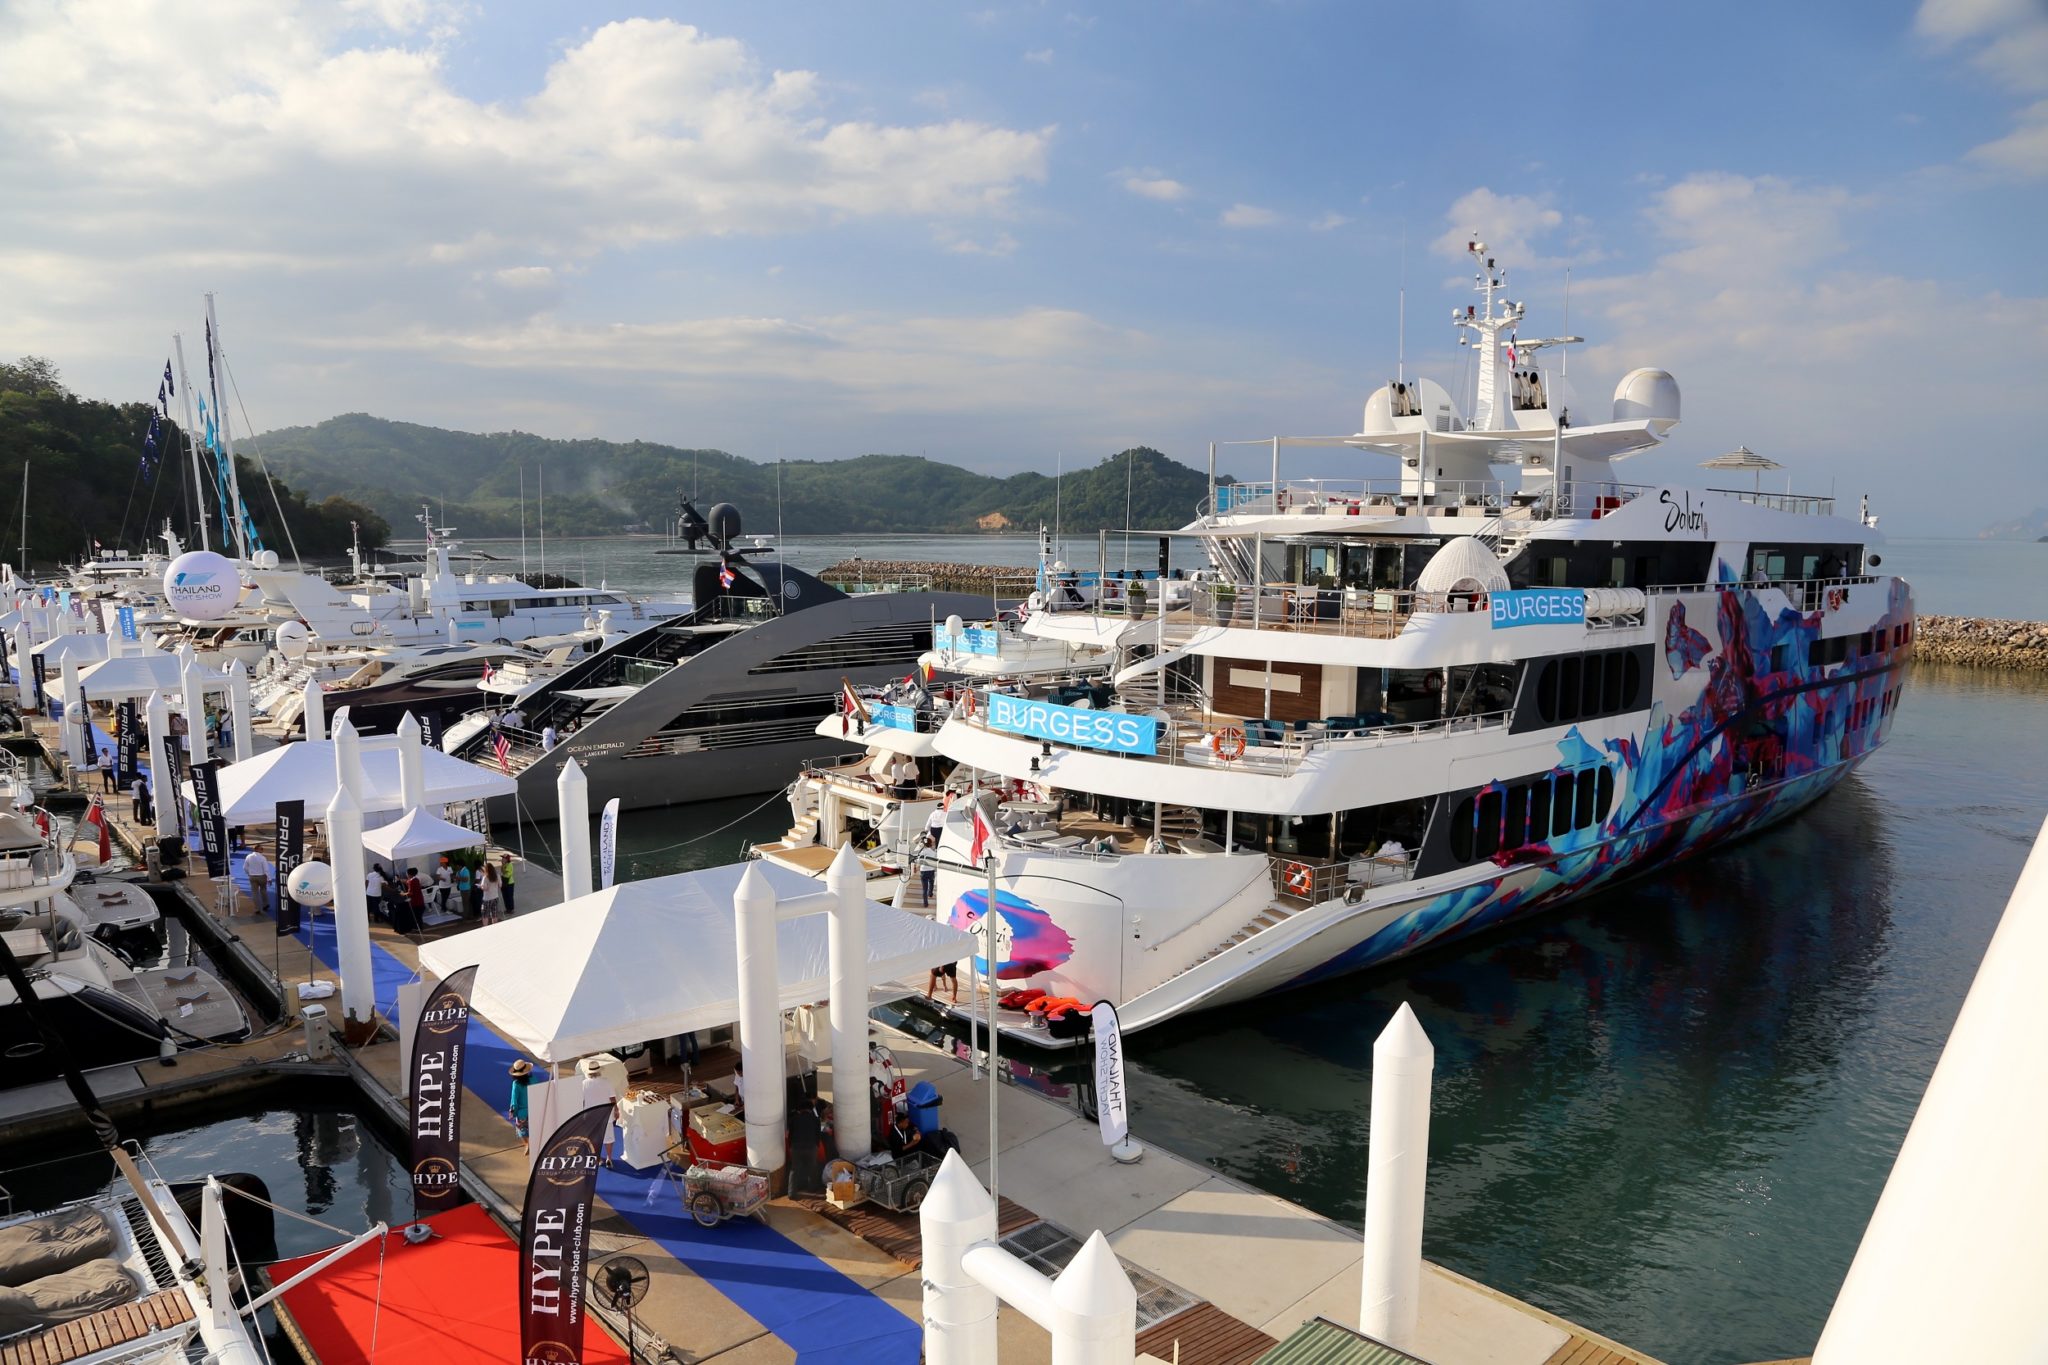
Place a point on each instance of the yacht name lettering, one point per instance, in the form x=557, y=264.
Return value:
x=1537, y=607
x=1116, y=731
x=1680, y=514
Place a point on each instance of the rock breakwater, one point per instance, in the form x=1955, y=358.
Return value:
x=2017, y=646
x=940, y=575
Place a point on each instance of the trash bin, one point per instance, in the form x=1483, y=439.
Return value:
x=924, y=1107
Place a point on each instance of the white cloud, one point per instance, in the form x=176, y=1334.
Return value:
x=1041, y=55
x=2008, y=40
x=1152, y=185
x=999, y=244
x=1248, y=216
x=1329, y=221
x=525, y=276
x=1848, y=376
x=1511, y=225
x=645, y=130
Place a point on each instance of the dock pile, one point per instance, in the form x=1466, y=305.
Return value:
x=943, y=575
x=2016, y=646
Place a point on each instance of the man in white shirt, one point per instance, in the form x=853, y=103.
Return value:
x=373, y=889
x=257, y=868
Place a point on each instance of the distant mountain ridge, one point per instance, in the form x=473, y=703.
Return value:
x=2033, y=526
x=607, y=487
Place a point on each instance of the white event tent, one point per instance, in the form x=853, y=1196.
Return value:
x=86, y=649
x=304, y=771
x=126, y=677
x=416, y=832
x=655, y=958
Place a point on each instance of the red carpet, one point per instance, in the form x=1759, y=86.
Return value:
x=452, y=1301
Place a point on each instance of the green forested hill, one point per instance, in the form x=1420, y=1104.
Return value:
x=84, y=459
x=604, y=487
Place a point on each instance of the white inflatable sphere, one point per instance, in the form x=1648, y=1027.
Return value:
x=311, y=884
x=264, y=559
x=954, y=625
x=202, y=586
x=292, y=639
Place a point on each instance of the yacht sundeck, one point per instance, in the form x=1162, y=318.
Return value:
x=1398, y=713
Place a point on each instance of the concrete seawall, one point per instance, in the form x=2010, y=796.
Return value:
x=1008, y=580
x=1972, y=642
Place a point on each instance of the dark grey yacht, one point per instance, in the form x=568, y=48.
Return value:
x=722, y=701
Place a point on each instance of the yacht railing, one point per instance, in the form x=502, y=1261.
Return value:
x=1362, y=613
x=1806, y=504
x=1197, y=741
x=1298, y=876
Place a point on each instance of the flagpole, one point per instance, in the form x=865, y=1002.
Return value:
x=988, y=940
x=191, y=440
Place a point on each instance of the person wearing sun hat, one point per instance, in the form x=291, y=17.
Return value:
x=522, y=1077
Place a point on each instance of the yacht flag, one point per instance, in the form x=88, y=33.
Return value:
x=608, y=843
x=978, y=823
x=502, y=747
x=1112, y=1101
x=554, y=1236
x=98, y=816
x=439, y=1041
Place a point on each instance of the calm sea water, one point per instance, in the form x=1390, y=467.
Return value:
x=1665, y=1112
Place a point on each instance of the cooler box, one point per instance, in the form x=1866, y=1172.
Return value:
x=924, y=1107
x=716, y=1136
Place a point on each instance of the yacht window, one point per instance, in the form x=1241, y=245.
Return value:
x=1582, y=809
x=1539, y=809
x=1488, y=831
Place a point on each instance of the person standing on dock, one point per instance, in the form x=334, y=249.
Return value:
x=515, y=1108
x=490, y=893
x=107, y=769
x=138, y=802
x=257, y=868
x=505, y=877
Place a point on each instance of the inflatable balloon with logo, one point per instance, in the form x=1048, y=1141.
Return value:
x=202, y=586
x=311, y=884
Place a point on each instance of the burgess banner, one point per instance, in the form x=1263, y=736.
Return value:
x=213, y=825
x=438, y=1044
x=554, y=1237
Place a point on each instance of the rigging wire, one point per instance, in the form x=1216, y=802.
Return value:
x=268, y=482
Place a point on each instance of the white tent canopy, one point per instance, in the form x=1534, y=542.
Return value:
x=304, y=771
x=417, y=832
x=654, y=958
x=129, y=676
x=87, y=649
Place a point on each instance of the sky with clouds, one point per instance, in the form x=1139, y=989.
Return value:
x=1001, y=235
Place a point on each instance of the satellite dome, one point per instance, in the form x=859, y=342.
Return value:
x=1647, y=395
x=725, y=523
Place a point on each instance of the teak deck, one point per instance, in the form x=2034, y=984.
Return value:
x=109, y=1327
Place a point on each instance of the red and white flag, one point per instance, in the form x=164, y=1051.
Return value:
x=983, y=835
x=97, y=815
x=502, y=747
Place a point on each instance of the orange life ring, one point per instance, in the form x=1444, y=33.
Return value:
x=967, y=704
x=1230, y=744
x=1300, y=878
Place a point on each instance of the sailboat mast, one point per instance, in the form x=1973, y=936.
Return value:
x=541, y=473
x=522, y=520
x=192, y=441
x=227, y=435
x=24, y=516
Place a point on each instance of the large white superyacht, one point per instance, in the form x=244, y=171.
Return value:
x=1398, y=713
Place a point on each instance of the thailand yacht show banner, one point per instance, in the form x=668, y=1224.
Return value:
x=1112, y=1100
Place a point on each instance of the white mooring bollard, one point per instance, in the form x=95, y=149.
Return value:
x=1397, y=1167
